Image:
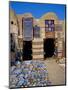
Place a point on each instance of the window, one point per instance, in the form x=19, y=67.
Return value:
x=49, y=25
x=36, y=31
x=27, y=28
x=11, y=22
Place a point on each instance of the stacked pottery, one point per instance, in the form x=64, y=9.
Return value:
x=29, y=73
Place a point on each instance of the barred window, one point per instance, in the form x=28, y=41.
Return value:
x=49, y=25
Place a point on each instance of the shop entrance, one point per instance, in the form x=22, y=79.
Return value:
x=49, y=47
x=27, y=50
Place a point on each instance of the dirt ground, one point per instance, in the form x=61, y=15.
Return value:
x=56, y=72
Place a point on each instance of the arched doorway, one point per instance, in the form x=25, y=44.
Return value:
x=27, y=50
x=49, y=47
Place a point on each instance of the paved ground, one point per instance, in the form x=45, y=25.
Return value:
x=56, y=72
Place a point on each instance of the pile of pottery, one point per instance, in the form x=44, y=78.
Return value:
x=28, y=74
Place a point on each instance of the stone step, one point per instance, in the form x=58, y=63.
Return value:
x=38, y=53
x=37, y=50
x=38, y=56
x=37, y=46
x=37, y=43
x=37, y=40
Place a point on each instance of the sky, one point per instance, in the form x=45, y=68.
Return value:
x=38, y=9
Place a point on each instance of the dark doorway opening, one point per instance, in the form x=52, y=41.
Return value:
x=27, y=50
x=49, y=47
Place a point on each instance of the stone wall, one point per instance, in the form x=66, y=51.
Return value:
x=59, y=35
